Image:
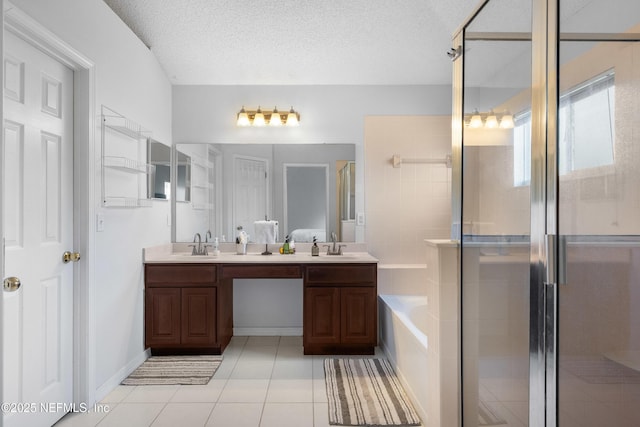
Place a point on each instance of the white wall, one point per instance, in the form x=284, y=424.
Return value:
x=328, y=114
x=129, y=80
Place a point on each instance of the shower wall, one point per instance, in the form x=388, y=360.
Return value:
x=409, y=204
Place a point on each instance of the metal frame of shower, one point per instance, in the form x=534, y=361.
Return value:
x=544, y=247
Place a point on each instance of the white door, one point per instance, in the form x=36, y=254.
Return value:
x=250, y=194
x=38, y=190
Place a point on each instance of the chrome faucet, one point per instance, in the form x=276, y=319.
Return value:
x=332, y=250
x=199, y=249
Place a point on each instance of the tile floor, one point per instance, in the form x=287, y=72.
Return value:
x=262, y=381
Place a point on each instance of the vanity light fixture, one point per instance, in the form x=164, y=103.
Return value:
x=489, y=120
x=273, y=117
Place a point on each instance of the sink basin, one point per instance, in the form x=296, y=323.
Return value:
x=324, y=255
x=188, y=255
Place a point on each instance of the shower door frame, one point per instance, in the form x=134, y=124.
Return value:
x=545, y=257
x=543, y=190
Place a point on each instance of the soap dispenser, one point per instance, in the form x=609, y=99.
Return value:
x=285, y=247
x=216, y=247
x=315, y=250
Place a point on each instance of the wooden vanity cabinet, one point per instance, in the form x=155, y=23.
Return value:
x=187, y=309
x=340, y=311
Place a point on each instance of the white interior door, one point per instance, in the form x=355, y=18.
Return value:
x=38, y=191
x=250, y=196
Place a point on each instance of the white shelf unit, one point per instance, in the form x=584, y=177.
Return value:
x=201, y=184
x=124, y=168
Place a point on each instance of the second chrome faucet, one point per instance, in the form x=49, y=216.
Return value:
x=199, y=248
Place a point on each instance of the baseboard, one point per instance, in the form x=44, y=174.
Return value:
x=268, y=332
x=123, y=373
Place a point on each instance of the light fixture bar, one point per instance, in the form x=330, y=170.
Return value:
x=272, y=118
x=489, y=120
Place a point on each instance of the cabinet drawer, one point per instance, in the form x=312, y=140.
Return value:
x=258, y=271
x=180, y=274
x=351, y=274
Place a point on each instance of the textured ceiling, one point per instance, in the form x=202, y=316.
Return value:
x=368, y=42
x=298, y=42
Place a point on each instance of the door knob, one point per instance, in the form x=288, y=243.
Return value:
x=11, y=284
x=70, y=256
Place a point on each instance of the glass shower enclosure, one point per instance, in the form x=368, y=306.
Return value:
x=547, y=141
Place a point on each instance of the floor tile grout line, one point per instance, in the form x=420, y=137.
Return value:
x=273, y=367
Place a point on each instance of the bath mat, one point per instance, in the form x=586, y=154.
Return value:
x=366, y=392
x=169, y=370
x=603, y=371
x=486, y=416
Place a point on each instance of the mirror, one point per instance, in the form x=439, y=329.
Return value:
x=306, y=197
x=159, y=155
x=248, y=182
x=183, y=177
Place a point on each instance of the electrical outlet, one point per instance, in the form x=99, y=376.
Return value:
x=100, y=222
x=360, y=218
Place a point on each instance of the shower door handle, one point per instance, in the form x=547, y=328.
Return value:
x=562, y=260
x=556, y=259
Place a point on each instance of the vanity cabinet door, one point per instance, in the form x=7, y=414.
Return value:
x=162, y=317
x=187, y=309
x=322, y=315
x=198, y=316
x=340, y=311
x=357, y=315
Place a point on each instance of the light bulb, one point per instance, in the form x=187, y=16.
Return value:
x=243, y=118
x=492, y=121
x=507, y=121
x=476, y=120
x=258, y=120
x=292, y=118
x=275, y=118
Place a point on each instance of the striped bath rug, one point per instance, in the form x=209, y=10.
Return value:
x=169, y=370
x=366, y=392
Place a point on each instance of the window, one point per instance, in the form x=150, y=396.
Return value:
x=585, y=130
x=522, y=149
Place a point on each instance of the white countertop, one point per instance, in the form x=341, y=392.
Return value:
x=176, y=253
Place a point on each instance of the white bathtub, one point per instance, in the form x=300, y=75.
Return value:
x=403, y=338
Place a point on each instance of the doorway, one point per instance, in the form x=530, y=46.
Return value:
x=251, y=193
x=16, y=23
x=549, y=233
x=306, y=202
